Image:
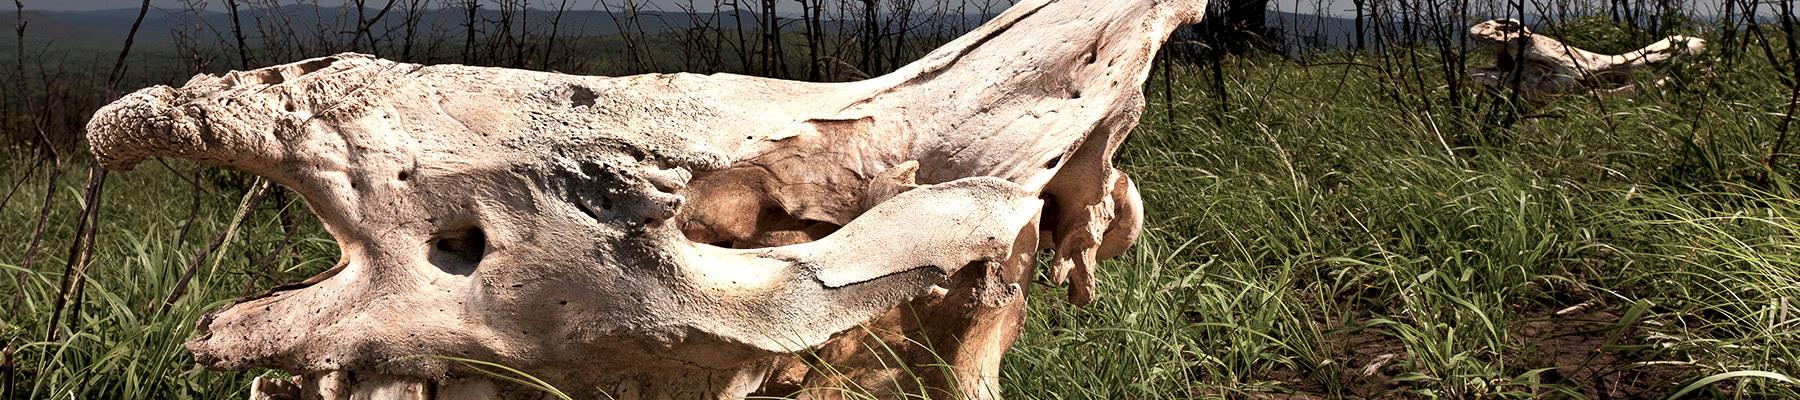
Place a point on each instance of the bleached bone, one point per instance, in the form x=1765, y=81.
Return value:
x=672, y=235
x=1541, y=67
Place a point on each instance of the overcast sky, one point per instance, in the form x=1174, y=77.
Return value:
x=1331, y=7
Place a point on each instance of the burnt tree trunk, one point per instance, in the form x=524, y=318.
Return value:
x=1236, y=26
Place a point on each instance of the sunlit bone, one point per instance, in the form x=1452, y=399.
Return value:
x=673, y=235
x=1541, y=67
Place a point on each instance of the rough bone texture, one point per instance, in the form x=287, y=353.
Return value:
x=673, y=235
x=1541, y=67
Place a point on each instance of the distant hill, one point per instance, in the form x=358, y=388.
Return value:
x=47, y=25
x=1309, y=31
x=97, y=5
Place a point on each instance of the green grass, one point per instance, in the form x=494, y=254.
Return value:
x=121, y=347
x=1312, y=228
x=1308, y=230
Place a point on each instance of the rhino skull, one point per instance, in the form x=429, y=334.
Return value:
x=670, y=235
x=1540, y=67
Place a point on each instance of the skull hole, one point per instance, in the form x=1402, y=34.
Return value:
x=582, y=96
x=458, y=252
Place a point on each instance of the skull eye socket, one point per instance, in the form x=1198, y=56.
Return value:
x=458, y=252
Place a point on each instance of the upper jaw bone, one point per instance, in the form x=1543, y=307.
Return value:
x=718, y=307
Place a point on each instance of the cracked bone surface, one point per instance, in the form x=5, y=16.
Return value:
x=1541, y=67
x=673, y=235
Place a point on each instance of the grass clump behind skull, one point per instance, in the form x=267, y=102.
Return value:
x=1315, y=238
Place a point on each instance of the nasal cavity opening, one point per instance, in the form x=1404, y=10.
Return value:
x=457, y=252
